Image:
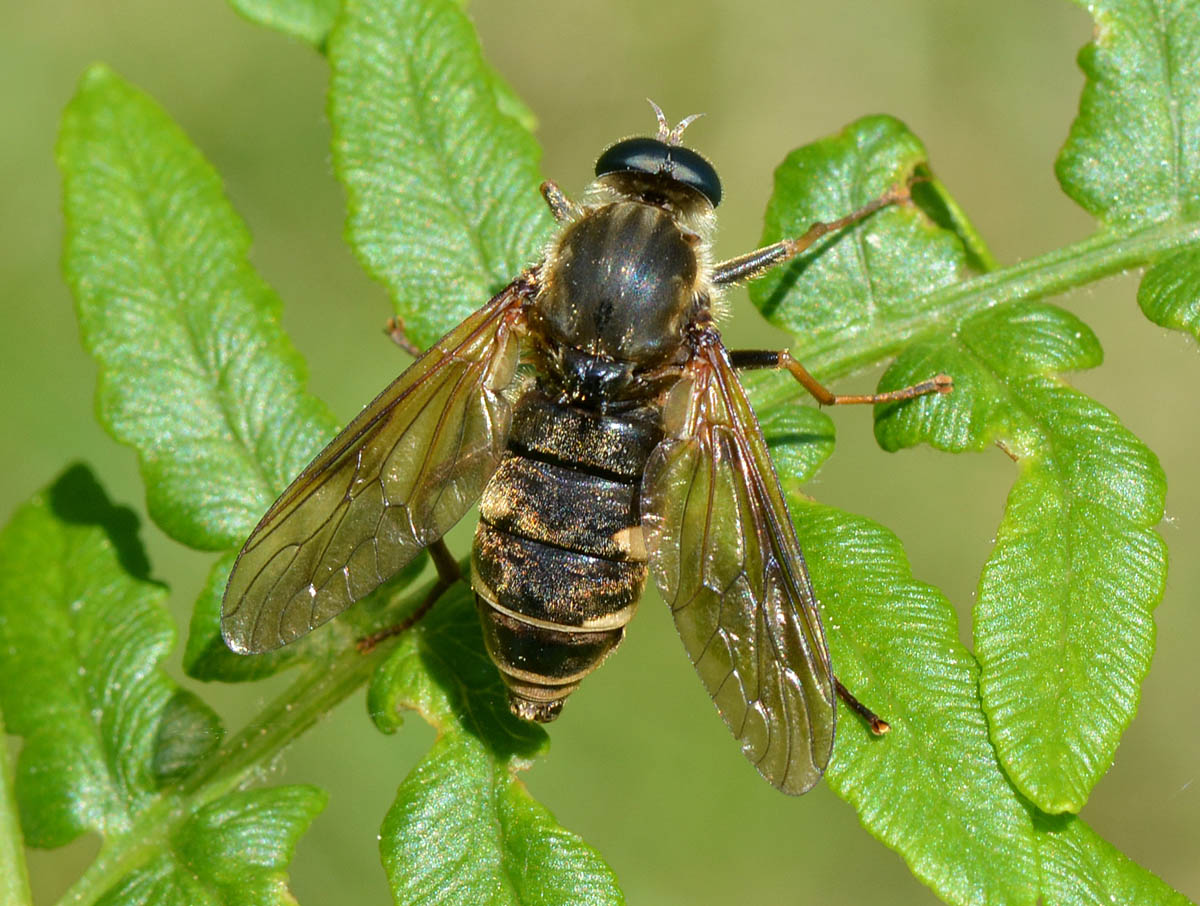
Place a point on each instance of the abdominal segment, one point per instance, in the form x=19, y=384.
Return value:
x=558, y=563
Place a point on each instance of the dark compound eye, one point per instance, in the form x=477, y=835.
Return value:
x=649, y=155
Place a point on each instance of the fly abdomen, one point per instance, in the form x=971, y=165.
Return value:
x=558, y=563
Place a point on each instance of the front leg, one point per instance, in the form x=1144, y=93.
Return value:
x=756, y=263
x=560, y=206
x=770, y=358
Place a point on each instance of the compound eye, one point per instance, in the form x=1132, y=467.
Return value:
x=654, y=157
x=693, y=170
x=636, y=155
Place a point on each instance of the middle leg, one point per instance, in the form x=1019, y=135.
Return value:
x=744, y=359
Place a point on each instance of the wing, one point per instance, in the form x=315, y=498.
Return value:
x=725, y=557
x=392, y=482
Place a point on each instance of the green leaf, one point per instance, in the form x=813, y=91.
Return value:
x=231, y=852
x=463, y=829
x=194, y=370
x=313, y=20
x=865, y=280
x=14, y=876
x=933, y=788
x=107, y=736
x=1170, y=292
x=308, y=20
x=1131, y=155
x=188, y=732
x=441, y=184
x=930, y=789
x=1080, y=869
x=79, y=625
x=1063, y=627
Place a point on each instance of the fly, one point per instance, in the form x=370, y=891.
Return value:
x=632, y=450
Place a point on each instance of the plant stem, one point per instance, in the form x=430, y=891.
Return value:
x=320, y=687
x=316, y=691
x=1098, y=256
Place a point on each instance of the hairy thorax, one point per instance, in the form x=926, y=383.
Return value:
x=620, y=288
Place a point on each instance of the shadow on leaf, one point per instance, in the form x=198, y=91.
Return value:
x=77, y=498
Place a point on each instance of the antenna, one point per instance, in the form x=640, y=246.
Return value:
x=665, y=132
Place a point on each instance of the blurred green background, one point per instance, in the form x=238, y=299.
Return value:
x=641, y=766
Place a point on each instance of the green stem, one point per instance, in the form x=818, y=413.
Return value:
x=318, y=689
x=315, y=692
x=1074, y=265
x=14, y=878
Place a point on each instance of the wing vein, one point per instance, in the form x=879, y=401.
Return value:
x=748, y=613
x=404, y=470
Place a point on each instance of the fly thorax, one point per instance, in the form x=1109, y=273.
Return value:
x=621, y=284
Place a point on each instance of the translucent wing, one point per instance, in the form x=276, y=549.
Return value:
x=392, y=482
x=725, y=557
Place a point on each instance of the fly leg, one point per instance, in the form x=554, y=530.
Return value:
x=878, y=725
x=754, y=264
x=770, y=358
x=448, y=573
x=560, y=206
x=398, y=335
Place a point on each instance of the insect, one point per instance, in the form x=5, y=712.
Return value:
x=632, y=449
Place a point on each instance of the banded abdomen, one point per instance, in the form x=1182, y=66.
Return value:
x=558, y=563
